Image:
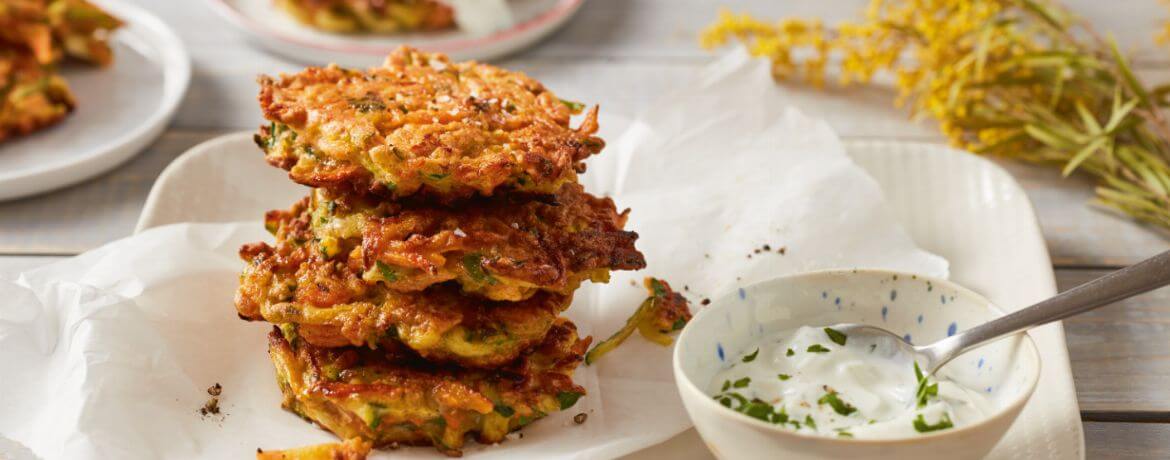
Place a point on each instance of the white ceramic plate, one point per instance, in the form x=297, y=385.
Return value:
x=120, y=109
x=277, y=31
x=954, y=204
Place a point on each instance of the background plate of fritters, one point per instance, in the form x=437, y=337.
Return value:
x=276, y=30
x=120, y=109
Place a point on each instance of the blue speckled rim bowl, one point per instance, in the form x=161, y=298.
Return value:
x=923, y=308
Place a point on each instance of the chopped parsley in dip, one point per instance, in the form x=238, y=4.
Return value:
x=817, y=380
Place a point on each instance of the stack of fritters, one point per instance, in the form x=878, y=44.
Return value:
x=35, y=35
x=418, y=288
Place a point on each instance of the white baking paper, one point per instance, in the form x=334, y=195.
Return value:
x=109, y=354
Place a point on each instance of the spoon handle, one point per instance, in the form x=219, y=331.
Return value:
x=1143, y=276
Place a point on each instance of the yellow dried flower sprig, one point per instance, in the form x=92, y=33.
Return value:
x=1017, y=78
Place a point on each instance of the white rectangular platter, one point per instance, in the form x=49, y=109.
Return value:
x=954, y=204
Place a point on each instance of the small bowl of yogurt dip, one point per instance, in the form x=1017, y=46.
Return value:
x=763, y=374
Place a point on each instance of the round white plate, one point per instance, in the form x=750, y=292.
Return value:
x=120, y=109
x=276, y=30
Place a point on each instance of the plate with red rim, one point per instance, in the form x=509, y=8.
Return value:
x=277, y=31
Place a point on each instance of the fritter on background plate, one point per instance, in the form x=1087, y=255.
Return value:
x=374, y=16
x=422, y=123
x=53, y=29
x=359, y=393
x=33, y=96
x=332, y=305
x=35, y=35
x=503, y=248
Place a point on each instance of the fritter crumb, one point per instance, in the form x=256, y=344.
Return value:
x=211, y=407
x=665, y=311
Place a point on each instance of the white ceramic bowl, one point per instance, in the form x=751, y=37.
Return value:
x=926, y=309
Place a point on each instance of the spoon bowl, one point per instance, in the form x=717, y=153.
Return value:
x=929, y=357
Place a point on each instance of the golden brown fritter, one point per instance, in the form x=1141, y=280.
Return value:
x=53, y=29
x=32, y=96
x=359, y=393
x=24, y=29
x=422, y=123
x=350, y=449
x=34, y=36
x=332, y=305
x=504, y=248
x=374, y=16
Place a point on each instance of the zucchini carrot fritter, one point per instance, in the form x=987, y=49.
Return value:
x=421, y=123
x=332, y=305
x=359, y=393
x=35, y=36
x=503, y=248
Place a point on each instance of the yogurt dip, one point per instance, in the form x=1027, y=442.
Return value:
x=816, y=380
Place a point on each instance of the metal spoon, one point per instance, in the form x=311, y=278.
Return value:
x=1143, y=276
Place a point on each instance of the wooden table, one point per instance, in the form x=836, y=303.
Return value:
x=623, y=54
